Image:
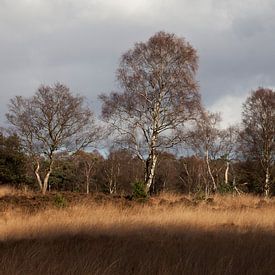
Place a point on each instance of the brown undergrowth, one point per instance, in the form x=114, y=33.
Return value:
x=168, y=234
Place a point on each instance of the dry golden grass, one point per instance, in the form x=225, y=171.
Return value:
x=6, y=190
x=167, y=235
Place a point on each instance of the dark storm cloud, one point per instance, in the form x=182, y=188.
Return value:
x=80, y=42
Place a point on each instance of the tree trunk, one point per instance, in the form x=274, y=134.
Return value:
x=111, y=187
x=114, y=189
x=152, y=158
x=226, y=172
x=188, y=177
x=267, y=183
x=152, y=161
x=38, y=175
x=43, y=185
x=46, y=179
x=87, y=184
x=210, y=172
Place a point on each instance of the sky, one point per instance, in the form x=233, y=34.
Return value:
x=79, y=43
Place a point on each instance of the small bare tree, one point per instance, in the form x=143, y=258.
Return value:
x=159, y=96
x=228, y=141
x=112, y=170
x=205, y=141
x=86, y=163
x=258, y=131
x=51, y=121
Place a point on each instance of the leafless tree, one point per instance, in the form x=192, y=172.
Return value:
x=51, y=121
x=205, y=141
x=112, y=171
x=166, y=172
x=228, y=142
x=120, y=170
x=258, y=131
x=159, y=95
x=86, y=163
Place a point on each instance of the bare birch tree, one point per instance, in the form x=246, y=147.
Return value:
x=112, y=170
x=258, y=131
x=159, y=95
x=205, y=141
x=228, y=139
x=51, y=121
x=86, y=163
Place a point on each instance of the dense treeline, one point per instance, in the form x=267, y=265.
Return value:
x=159, y=134
x=117, y=173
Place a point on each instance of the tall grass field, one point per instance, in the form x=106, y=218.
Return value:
x=168, y=234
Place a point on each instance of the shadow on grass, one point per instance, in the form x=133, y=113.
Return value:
x=142, y=250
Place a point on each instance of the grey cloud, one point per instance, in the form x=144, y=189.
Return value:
x=80, y=43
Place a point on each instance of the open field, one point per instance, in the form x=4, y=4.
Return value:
x=168, y=234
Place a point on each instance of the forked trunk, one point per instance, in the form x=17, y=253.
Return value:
x=43, y=185
x=38, y=175
x=112, y=187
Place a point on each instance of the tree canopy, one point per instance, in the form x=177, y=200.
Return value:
x=159, y=94
x=50, y=121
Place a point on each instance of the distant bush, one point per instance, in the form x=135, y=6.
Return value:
x=225, y=188
x=139, y=191
x=60, y=201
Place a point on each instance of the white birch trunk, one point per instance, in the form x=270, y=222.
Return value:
x=43, y=185
x=46, y=181
x=151, y=172
x=267, y=183
x=110, y=187
x=38, y=175
x=226, y=172
x=209, y=171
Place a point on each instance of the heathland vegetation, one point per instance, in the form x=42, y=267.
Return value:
x=70, y=233
x=152, y=186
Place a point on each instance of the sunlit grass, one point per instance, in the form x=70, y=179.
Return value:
x=205, y=238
